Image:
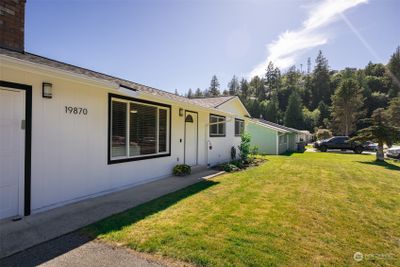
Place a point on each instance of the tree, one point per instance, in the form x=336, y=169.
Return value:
x=394, y=111
x=320, y=87
x=244, y=89
x=270, y=109
x=214, y=86
x=311, y=118
x=346, y=106
x=394, y=68
x=324, y=113
x=198, y=93
x=233, y=86
x=176, y=92
x=189, y=93
x=380, y=131
x=272, y=81
x=322, y=134
x=294, y=112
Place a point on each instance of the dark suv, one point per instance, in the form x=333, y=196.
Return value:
x=339, y=142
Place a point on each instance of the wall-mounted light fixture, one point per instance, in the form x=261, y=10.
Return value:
x=47, y=90
x=180, y=112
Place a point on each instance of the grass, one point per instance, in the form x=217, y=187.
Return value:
x=299, y=210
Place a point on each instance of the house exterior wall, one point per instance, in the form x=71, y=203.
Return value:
x=292, y=141
x=264, y=138
x=233, y=106
x=69, y=158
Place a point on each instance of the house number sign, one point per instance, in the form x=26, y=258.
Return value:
x=76, y=110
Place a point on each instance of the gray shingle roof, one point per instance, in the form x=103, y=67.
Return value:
x=212, y=102
x=32, y=58
x=277, y=125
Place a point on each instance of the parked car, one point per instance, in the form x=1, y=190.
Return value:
x=370, y=146
x=393, y=152
x=339, y=142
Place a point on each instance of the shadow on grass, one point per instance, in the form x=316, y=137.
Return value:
x=52, y=249
x=136, y=214
x=385, y=164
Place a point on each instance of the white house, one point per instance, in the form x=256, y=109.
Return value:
x=69, y=133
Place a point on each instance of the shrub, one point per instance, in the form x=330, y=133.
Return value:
x=254, y=150
x=323, y=134
x=182, y=170
x=237, y=163
x=230, y=167
x=244, y=147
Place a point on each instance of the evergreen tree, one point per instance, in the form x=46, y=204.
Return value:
x=244, y=89
x=324, y=113
x=272, y=80
x=380, y=131
x=233, y=86
x=198, y=93
x=346, y=106
x=225, y=93
x=176, y=92
x=320, y=81
x=189, y=93
x=290, y=83
x=394, y=111
x=214, y=86
x=394, y=68
x=294, y=112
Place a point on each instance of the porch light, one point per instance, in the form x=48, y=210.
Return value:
x=47, y=90
x=180, y=112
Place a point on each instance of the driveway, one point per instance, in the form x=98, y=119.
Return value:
x=77, y=250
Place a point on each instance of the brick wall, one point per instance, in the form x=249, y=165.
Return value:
x=12, y=15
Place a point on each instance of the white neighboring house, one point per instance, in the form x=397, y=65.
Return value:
x=69, y=133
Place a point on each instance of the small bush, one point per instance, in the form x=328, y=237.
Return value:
x=237, y=163
x=230, y=167
x=254, y=150
x=182, y=170
x=244, y=147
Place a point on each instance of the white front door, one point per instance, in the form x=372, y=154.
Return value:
x=12, y=150
x=191, y=135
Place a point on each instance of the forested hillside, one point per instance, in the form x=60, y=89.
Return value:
x=318, y=97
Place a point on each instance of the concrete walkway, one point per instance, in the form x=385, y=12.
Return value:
x=38, y=228
x=77, y=250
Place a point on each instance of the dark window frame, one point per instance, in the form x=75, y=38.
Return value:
x=219, y=117
x=110, y=160
x=242, y=121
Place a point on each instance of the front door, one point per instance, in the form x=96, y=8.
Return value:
x=12, y=110
x=191, y=135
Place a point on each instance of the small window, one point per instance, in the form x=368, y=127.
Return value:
x=217, y=126
x=283, y=139
x=189, y=118
x=239, y=127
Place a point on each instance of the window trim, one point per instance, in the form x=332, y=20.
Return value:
x=240, y=120
x=218, y=116
x=110, y=159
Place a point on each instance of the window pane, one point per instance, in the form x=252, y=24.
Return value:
x=214, y=127
x=143, y=126
x=118, y=129
x=162, y=126
x=221, y=127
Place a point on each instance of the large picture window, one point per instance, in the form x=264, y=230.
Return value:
x=138, y=129
x=217, y=126
x=239, y=127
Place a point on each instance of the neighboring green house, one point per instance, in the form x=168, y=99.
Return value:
x=272, y=138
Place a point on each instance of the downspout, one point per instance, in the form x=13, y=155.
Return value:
x=208, y=142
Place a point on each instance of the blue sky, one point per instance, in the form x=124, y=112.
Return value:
x=181, y=44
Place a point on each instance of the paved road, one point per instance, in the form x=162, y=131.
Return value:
x=76, y=250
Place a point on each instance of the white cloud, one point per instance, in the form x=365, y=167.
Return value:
x=291, y=44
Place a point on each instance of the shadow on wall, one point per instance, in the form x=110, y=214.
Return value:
x=385, y=164
x=47, y=251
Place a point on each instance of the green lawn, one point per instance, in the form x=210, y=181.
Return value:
x=299, y=210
